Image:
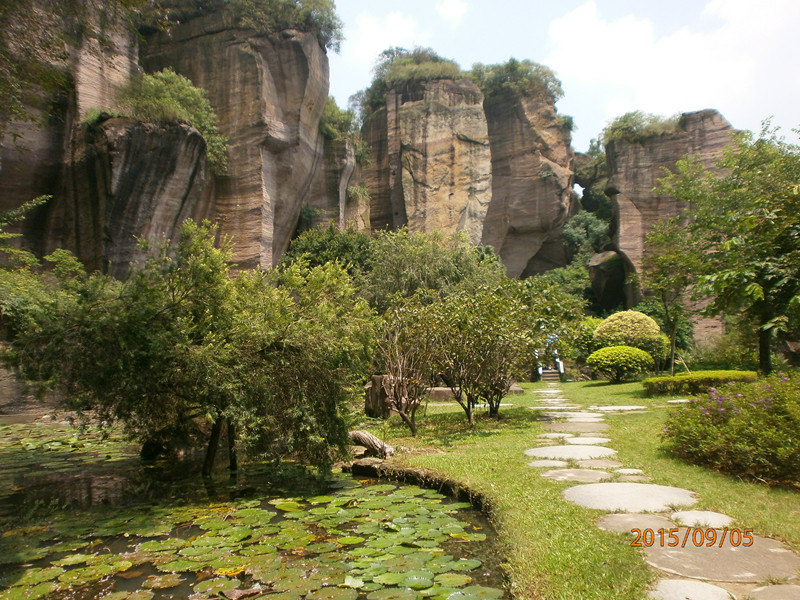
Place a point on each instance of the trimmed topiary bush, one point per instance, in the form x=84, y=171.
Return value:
x=632, y=328
x=749, y=430
x=694, y=383
x=620, y=362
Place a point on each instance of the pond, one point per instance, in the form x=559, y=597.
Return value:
x=82, y=518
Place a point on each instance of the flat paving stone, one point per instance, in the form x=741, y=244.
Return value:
x=575, y=415
x=683, y=589
x=576, y=427
x=618, y=408
x=555, y=435
x=570, y=452
x=587, y=441
x=584, y=420
x=577, y=475
x=635, y=478
x=547, y=464
x=553, y=407
x=701, y=518
x=629, y=497
x=599, y=463
x=679, y=401
x=765, y=559
x=776, y=592
x=630, y=471
x=625, y=522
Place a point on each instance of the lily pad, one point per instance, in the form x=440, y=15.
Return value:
x=466, y=564
x=476, y=592
x=455, y=580
x=217, y=585
x=350, y=540
x=418, y=580
x=181, y=566
x=162, y=582
x=33, y=577
x=333, y=593
x=392, y=594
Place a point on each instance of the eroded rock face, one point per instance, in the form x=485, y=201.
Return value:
x=123, y=180
x=532, y=178
x=635, y=167
x=269, y=93
x=431, y=162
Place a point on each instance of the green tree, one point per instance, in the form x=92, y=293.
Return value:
x=517, y=77
x=745, y=222
x=350, y=248
x=183, y=349
x=632, y=328
x=637, y=126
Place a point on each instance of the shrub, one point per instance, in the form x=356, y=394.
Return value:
x=745, y=429
x=167, y=96
x=632, y=328
x=620, y=362
x=637, y=126
x=694, y=383
x=336, y=123
x=584, y=344
x=518, y=77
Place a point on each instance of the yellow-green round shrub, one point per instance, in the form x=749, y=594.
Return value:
x=632, y=328
x=618, y=363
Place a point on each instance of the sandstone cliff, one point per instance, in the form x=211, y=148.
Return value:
x=635, y=167
x=431, y=163
x=532, y=178
x=269, y=93
x=124, y=180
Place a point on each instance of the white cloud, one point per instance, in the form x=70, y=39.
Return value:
x=452, y=11
x=735, y=58
x=373, y=34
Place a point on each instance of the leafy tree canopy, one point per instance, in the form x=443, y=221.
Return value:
x=744, y=221
x=516, y=77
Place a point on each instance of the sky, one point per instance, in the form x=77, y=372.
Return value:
x=741, y=57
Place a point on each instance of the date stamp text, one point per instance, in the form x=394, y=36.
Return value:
x=697, y=537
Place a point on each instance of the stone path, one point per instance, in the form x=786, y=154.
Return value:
x=696, y=562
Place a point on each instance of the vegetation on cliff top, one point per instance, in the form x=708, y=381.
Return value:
x=517, y=77
x=638, y=126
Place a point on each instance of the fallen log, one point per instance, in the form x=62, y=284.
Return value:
x=373, y=445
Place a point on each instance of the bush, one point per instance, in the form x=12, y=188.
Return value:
x=638, y=126
x=518, y=77
x=620, y=362
x=169, y=97
x=584, y=344
x=694, y=383
x=745, y=429
x=632, y=328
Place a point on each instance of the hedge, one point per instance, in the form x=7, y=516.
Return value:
x=698, y=382
x=620, y=362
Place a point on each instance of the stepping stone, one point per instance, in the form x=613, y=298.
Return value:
x=630, y=471
x=576, y=427
x=629, y=497
x=575, y=415
x=599, y=464
x=587, y=441
x=679, y=401
x=620, y=408
x=547, y=464
x=765, y=559
x=577, y=475
x=584, y=420
x=701, y=518
x=682, y=589
x=635, y=478
x=624, y=522
x=553, y=407
x=554, y=436
x=776, y=592
x=570, y=452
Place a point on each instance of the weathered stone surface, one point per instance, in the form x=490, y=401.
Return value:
x=532, y=179
x=625, y=522
x=431, y=167
x=599, y=463
x=607, y=276
x=577, y=475
x=682, y=589
x=629, y=497
x=376, y=401
x=547, y=464
x=776, y=592
x=570, y=452
x=701, y=518
x=587, y=441
x=765, y=559
x=124, y=179
x=269, y=93
x=572, y=427
x=634, y=168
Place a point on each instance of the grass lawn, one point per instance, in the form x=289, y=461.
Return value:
x=553, y=548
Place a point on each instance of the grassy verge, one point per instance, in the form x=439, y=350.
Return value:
x=771, y=512
x=553, y=549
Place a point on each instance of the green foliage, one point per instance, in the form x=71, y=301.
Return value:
x=631, y=328
x=404, y=262
x=357, y=193
x=167, y=96
x=697, y=382
x=9, y=254
x=584, y=343
x=519, y=78
x=349, y=248
x=748, y=430
x=337, y=124
x=586, y=233
x=744, y=220
x=398, y=68
x=620, y=362
x=638, y=126
x=573, y=279
x=182, y=347
x=736, y=348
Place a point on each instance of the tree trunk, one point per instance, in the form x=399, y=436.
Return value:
x=408, y=420
x=211, y=451
x=765, y=351
x=672, y=341
x=371, y=443
x=233, y=462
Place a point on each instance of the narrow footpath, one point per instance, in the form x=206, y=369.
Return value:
x=699, y=555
